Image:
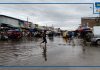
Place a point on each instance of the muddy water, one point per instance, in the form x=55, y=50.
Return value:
x=58, y=51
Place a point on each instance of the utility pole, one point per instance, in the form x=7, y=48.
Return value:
x=27, y=19
x=46, y=27
x=27, y=22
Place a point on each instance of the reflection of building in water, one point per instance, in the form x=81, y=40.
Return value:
x=51, y=38
x=45, y=53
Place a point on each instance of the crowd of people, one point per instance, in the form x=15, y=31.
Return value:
x=13, y=34
x=85, y=35
x=18, y=34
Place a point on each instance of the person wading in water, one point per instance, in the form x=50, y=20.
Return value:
x=44, y=38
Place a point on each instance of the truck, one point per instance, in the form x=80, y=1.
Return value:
x=96, y=35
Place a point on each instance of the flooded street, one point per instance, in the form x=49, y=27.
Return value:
x=57, y=52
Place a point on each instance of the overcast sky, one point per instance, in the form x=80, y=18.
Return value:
x=65, y=16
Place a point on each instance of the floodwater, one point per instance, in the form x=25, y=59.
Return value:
x=57, y=52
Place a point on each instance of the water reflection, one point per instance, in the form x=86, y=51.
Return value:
x=13, y=49
x=51, y=38
x=28, y=52
x=73, y=43
x=65, y=40
x=84, y=46
x=44, y=53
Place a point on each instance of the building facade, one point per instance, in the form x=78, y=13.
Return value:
x=15, y=22
x=9, y=20
x=90, y=21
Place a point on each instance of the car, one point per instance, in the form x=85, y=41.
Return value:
x=14, y=34
x=95, y=40
x=96, y=35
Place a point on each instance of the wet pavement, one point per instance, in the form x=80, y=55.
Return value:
x=57, y=52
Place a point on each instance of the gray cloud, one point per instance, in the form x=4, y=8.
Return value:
x=57, y=14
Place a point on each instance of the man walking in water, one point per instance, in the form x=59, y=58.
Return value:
x=44, y=47
x=44, y=38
